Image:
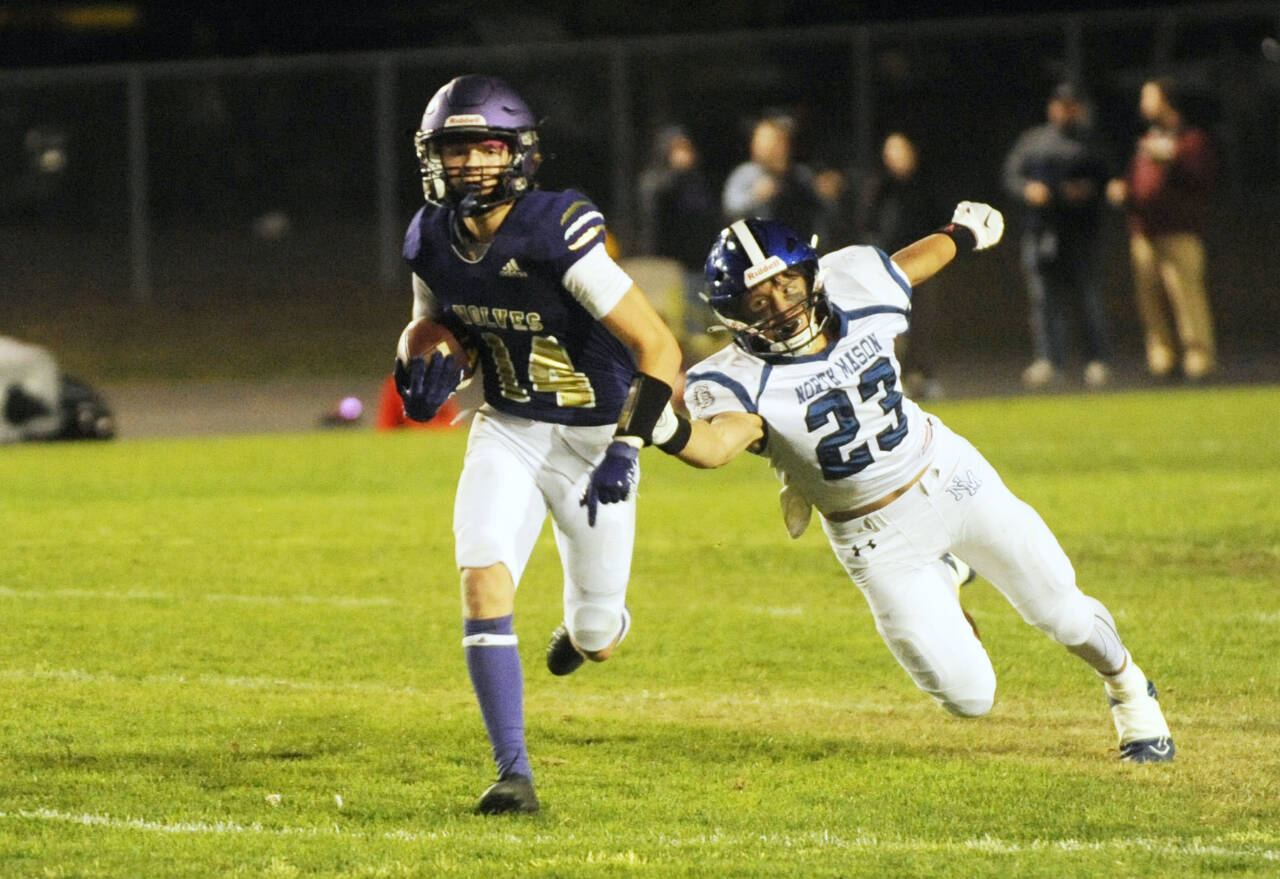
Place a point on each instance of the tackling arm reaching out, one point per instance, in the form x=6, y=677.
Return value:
x=721, y=438
x=713, y=442
x=974, y=226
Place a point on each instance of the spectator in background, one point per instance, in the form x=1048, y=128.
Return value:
x=1166, y=194
x=894, y=204
x=679, y=216
x=1059, y=171
x=771, y=184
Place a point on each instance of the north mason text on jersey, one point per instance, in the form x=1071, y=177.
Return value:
x=543, y=354
x=847, y=365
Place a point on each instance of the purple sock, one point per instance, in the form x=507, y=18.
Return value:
x=493, y=661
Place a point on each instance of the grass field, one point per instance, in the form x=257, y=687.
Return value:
x=240, y=657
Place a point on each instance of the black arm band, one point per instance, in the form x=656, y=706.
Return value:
x=646, y=400
x=679, y=439
x=963, y=236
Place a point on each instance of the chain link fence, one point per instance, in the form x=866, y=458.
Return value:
x=237, y=178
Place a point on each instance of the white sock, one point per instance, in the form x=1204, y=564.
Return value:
x=1127, y=684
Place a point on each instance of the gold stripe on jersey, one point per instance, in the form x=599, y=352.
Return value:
x=572, y=209
x=586, y=237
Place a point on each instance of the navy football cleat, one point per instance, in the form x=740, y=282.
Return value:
x=511, y=794
x=562, y=657
x=1157, y=750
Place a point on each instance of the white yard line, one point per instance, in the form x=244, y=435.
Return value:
x=77, y=676
x=138, y=595
x=1254, y=845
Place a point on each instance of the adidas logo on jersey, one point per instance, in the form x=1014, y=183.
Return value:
x=512, y=270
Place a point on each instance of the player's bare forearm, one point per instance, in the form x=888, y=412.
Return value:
x=642, y=330
x=716, y=442
x=921, y=260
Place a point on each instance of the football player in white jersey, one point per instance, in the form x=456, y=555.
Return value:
x=576, y=366
x=811, y=382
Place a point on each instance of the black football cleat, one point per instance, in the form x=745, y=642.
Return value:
x=1157, y=750
x=511, y=794
x=562, y=657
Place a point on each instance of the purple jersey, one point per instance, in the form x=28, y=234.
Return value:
x=544, y=356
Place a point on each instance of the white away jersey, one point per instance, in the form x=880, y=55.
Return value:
x=837, y=424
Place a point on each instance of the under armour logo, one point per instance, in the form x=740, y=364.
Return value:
x=961, y=485
x=857, y=550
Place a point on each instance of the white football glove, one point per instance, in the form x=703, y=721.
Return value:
x=985, y=222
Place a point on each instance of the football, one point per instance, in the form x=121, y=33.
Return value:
x=424, y=337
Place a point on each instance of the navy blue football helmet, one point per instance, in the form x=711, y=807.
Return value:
x=747, y=253
x=475, y=107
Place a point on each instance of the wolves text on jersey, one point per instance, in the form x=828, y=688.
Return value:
x=499, y=318
x=844, y=367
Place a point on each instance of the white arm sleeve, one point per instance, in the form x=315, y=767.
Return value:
x=425, y=303
x=597, y=282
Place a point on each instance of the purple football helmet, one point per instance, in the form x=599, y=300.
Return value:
x=475, y=107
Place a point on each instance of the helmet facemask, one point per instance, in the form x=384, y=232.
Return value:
x=754, y=263
x=788, y=332
x=447, y=187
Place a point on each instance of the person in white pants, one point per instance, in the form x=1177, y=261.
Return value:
x=812, y=384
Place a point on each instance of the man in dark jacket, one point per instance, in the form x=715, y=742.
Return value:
x=1059, y=171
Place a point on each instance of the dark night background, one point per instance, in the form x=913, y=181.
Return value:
x=36, y=33
x=259, y=155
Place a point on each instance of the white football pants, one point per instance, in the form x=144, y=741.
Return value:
x=960, y=505
x=516, y=471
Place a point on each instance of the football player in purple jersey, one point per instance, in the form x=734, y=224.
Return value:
x=577, y=372
x=812, y=384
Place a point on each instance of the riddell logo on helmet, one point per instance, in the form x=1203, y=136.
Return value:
x=466, y=119
x=767, y=269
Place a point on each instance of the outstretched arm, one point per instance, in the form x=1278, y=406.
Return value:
x=721, y=438
x=922, y=259
x=973, y=226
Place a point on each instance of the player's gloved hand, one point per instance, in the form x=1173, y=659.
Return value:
x=985, y=222
x=612, y=480
x=424, y=386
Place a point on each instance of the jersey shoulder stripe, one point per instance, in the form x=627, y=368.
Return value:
x=894, y=272
x=861, y=277
x=581, y=222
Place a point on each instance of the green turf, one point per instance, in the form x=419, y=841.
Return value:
x=192, y=626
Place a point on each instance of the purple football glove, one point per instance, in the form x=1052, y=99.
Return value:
x=424, y=386
x=613, y=478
